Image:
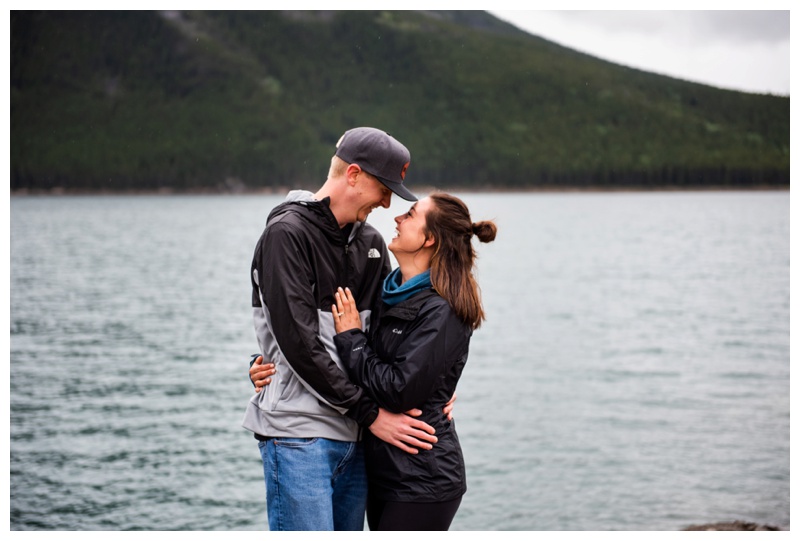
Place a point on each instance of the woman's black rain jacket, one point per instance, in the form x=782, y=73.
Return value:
x=413, y=358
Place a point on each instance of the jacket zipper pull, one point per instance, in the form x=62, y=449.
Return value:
x=346, y=264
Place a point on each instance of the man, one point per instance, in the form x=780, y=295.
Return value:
x=308, y=421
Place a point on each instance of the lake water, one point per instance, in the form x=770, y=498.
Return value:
x=633, y=373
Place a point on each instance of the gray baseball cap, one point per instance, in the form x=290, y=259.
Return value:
x=380, y=155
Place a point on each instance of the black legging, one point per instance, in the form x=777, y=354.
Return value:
x=408, y=516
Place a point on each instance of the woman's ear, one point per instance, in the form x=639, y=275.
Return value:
x=429, y=241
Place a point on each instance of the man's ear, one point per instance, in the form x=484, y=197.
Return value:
x=351, y=174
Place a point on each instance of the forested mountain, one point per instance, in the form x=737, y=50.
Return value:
x=144, y=100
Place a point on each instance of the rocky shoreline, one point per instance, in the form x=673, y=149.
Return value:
x=732, y=526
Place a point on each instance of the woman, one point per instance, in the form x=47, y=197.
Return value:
x=413, y=358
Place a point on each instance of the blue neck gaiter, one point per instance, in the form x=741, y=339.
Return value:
x=395, y=293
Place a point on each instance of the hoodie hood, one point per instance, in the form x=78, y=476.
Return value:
x=317, y=212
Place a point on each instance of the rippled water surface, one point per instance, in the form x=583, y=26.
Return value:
x=633, y=373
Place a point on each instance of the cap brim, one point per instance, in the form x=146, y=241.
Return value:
x=398, y=189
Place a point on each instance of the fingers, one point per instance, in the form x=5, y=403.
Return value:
x=403, y=431
x=420, y=429
x=261, y=371
x=448, y=411
x=448, y=408
x=419, y=443
x=259, y=374
x=341, y=298
x=345, y=312
x=406, y=448
x=339, y=308
x=419, y=434
x=344, y=300
x=424, y=427
x=260, y=381
x=423, y=435
x=411, y=444
x=418, y=440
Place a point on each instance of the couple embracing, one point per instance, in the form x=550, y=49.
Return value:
x=359, y=363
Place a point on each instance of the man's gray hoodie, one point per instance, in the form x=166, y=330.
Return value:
x=302, y=257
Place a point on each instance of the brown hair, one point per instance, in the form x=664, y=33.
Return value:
x=449, y=222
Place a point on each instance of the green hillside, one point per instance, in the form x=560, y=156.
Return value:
x=224, y=100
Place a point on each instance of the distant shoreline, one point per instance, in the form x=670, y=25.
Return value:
x=421, y=189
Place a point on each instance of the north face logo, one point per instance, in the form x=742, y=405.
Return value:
x=373, y=253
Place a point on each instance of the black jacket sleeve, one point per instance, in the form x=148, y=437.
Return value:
x=434, y=340
x=287, y=287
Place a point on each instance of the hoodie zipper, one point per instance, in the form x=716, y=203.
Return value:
x=351, y=237
x=347, y=265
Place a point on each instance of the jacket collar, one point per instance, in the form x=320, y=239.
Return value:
x=317, y=212
x=408, y=309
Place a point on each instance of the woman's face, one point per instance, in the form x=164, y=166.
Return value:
x=410, y=232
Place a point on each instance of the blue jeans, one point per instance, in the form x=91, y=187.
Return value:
x=314, y=484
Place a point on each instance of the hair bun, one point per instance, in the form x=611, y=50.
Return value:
x=485, y=231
